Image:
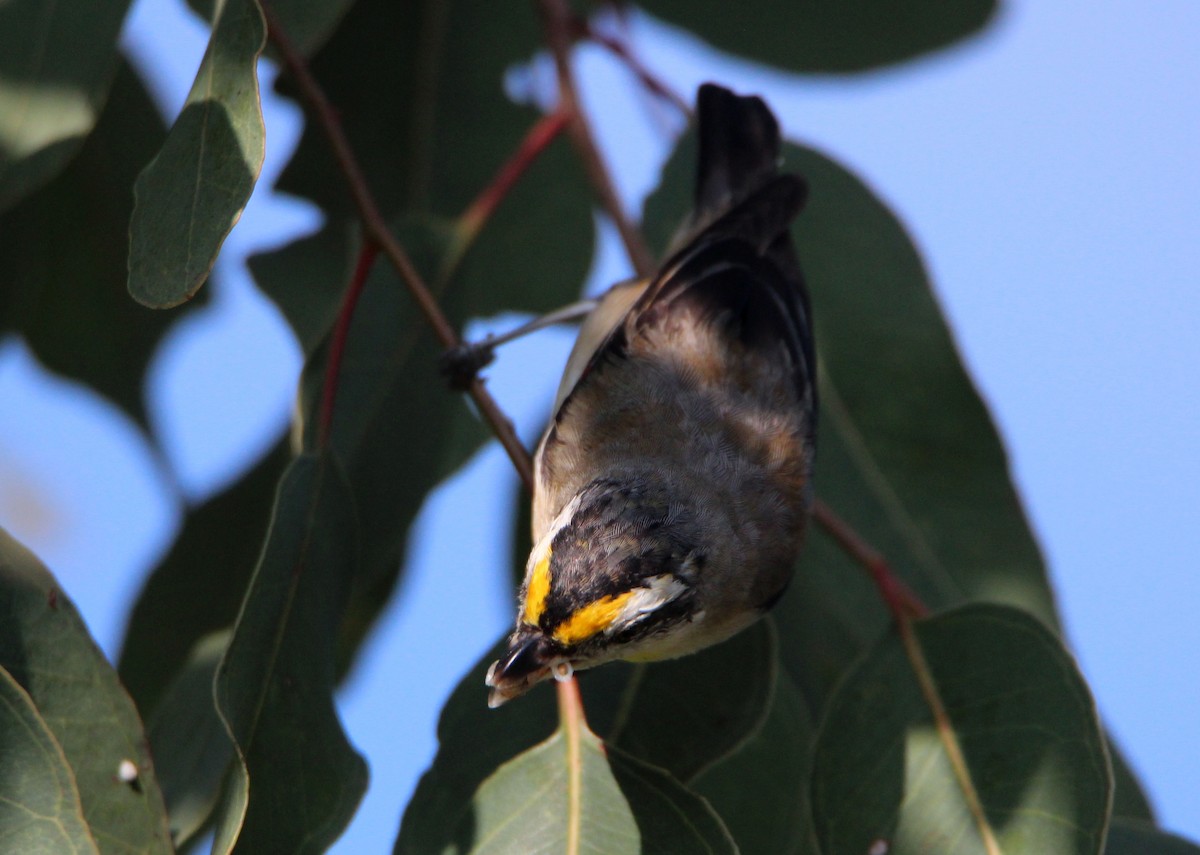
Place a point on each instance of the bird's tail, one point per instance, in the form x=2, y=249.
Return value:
x=739, y=148
x=739, y=154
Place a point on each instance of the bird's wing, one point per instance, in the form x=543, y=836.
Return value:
x=737, y=267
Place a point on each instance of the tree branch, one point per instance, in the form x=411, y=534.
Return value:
x=556, y=20
x=377, y=232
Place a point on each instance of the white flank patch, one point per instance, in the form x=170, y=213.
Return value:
x=659, y=591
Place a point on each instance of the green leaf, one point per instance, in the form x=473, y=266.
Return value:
x=571, y=794
x=39, y=805
x=306, y=24
x=191, y=195
x=274, y=687
x=63, y=257
x=56, y=63
x=473, y=742
x=46, y=648
x=210, y=562
x=425, y=155
x=906, y=451
x=1131, y=837
x=684, y=715
x=396, y=427
x=761, y=791
x=975, y=735
x=850, y=35
x=190, y=745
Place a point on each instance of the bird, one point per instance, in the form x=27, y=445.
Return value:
x=673, y=485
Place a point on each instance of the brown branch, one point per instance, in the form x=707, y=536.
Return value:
x=556, y=20
x=899, y=599
x=367, y=254
x=377, y=232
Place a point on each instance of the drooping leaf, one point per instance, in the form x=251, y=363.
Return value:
x=473, y=743
x=56, y=63
x=397, y=426
x=572, y=794
x=682, y=715
x=190, y=745
x=852, y=35
x=976, y=735
x=63, y=257
x=306, y=24
x=193, y=192
x=761, y=791
x=906, y=452
x=426, y=158
x=1132, y=837
x=39, y=804
x=210, y=562
x=274, y=687
x=46, y=649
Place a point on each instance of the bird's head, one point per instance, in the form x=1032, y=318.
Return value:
x=612, y=578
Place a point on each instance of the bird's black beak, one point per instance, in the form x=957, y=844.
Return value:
x=526, y=663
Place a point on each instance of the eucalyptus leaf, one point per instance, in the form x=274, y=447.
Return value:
x=976, y=735
x=571, y=793
x=274, y=687
x=761, y=791
x=1132, y=837
x=907, y=454
x=683, y=715
x=210, y=562
x=679, y=716
x=191, y=748
x=46, y=649
x=436, y=142
x=850, y=35
x=64, y=251
x=39, y=804
x=191, y=195
x=306, y=24
x=57, y=61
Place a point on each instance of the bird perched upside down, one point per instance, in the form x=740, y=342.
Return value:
x=672, y=487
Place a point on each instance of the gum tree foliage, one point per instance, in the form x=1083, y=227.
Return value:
x=830, y=728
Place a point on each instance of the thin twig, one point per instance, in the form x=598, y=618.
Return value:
x=556, y=20
x=654, y=84
x=472, y=220
x=376, y=231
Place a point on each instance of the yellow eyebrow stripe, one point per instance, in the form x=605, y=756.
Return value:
x=537, y=590
x=591, y=619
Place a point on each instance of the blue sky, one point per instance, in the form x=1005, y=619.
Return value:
x=1047, y=171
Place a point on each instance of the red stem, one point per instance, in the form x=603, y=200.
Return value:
x=367, y=254
x=543, y=132
x=899, y=599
